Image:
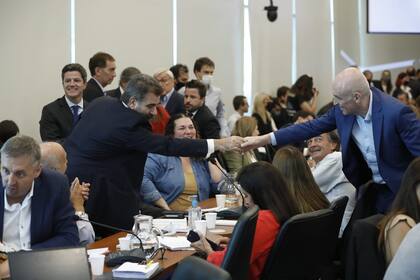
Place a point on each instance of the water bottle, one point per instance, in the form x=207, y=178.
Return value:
x=226, y=187
x=194, y=213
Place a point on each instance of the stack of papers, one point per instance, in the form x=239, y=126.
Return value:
x=171, y=225
x=135, y=270
x=226, y=222
x=175, y=243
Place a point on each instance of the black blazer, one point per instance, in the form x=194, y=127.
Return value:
x=57, y=120
x=114, y=93
x=108, y=148
x=175, y=104
x=208, y=126
x=92, y=91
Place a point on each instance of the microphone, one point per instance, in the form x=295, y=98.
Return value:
x=77, y=218
x=212, y=159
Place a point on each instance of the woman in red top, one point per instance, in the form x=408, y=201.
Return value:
x=263, y=185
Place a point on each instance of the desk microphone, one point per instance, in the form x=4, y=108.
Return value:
x=77, y=218
x=212, y=159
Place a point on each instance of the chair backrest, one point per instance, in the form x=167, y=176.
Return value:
x=304, y=247
x=194, y=268
x=238, y=253
x=339, y=207
x=364, y=260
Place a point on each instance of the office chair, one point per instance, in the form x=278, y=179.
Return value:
x=364, y=260
x=194, y=268
x=304, y=248
x=238, y=253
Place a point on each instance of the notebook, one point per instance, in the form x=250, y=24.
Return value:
x=135, y=270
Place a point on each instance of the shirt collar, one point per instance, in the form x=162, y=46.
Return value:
x=368, y=116
x=25, y=201
x=99, y=84
x=71, y=104
x=122, y=90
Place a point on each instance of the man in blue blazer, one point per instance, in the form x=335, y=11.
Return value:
x=35, y=208
x=108, y=148
x=379, y=135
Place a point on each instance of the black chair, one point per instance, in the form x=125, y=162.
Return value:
x=304, y=248
x=194, y=268
x=339, y=207
x=364, y=260
x=238, y=253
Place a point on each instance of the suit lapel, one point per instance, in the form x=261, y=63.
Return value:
x=377, y=120
x=345, y=133
x=37, y=205
x=68, y=115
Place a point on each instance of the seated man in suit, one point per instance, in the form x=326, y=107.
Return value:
x=102, y=69
x=172, y=100
x=60, y=116
x=54, y=157
x=36, y=211
x=124, y=78
x=194, y=96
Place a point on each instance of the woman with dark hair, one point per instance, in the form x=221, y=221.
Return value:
x=299, y=179
x=404, y=213
x=170, y=181
x=262, y=185
x=303, y=96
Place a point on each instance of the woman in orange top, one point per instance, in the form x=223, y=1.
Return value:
x=263, y=185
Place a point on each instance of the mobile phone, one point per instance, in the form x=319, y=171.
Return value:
x=194, y=237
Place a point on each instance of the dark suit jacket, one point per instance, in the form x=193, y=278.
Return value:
x=52, y=215
x=175, y=104
x=92, y=91
x=114, y=93
x=108, y=148
x=208, y=126
x=57, y=120
x=396, y=133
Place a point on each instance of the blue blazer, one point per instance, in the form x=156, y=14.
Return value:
x=52, y=215
x=396, y=133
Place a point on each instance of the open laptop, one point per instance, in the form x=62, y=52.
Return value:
x=57, y=263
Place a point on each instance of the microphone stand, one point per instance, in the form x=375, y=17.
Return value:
x=77, y=218
x=212, y=159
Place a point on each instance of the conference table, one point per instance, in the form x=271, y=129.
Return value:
x=171, y=258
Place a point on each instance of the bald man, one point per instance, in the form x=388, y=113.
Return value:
x=53, y=156
x=379, y=136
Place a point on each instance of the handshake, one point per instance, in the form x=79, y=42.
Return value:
x=239, y=144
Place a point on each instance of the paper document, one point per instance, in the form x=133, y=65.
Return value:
x=175, y=243
x=135, y=270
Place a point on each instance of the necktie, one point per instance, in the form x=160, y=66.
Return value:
x=75, y=111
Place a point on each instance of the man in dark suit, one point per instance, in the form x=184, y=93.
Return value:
x=102, y=69
x=36, y=211
x=172, y=100
x=109, y=151
x=60, y=116
x=194, y=96
x=124, y=78
x=379, y=135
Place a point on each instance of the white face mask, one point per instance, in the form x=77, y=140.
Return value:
x=207, y=79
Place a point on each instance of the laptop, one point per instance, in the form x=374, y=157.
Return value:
x=57, y=263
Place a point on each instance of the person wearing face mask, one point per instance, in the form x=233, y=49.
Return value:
x=204, y=70
x=180, y=72
x=169, y=181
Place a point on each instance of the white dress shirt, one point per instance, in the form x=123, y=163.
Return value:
x=363, y=136
x=71, y=104
x=17, y=223
x=232, y=120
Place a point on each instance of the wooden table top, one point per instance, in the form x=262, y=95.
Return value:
x=171, y=258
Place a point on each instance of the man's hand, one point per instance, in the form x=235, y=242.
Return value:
x=232, y=143
x=78, y=194
x=254, y=142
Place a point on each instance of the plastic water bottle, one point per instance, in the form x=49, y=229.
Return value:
x=194, y=213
